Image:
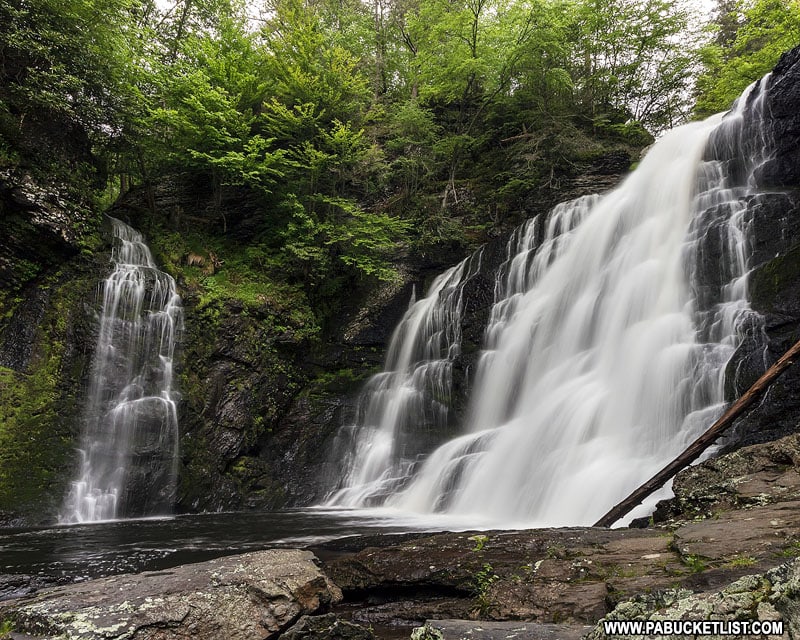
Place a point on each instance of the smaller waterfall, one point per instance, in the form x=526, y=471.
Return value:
x=129, y=442
x=404, y=410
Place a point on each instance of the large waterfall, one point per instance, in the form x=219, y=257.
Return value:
x=604, y=355
x=129, y=442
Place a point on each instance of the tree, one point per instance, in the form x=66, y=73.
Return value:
x=64, y=79
x=634, y=59
x=746, y=40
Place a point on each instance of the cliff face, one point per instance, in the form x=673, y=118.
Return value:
x=264, y=387
x=774, y=282
x=48, y=273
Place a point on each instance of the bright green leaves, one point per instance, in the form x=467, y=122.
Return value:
x=256, y=165
x=337, y=229
x=636, y=59
x=278, y=110
x=63, y=75
x=749, y=37
x=307, y=66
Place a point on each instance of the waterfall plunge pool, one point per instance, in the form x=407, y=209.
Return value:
x=96, y=549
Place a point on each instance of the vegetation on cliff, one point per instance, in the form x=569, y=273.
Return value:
x=313, y=142
x=360, y=126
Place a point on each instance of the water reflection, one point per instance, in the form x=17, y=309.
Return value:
x=94, y=550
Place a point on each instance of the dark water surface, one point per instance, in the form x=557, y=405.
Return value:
x=126, y=546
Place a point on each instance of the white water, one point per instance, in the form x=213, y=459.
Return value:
x=604, y=356
x=129, y=442
x=407, y=403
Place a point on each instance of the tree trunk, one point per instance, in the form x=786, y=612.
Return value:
x=704, y=441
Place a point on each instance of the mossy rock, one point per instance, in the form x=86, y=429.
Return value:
x=40, y=403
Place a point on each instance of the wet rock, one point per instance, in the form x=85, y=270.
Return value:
x=249, y=596
x=754, y=475
x=470, y=630
x=50, y=338
x=16, y=586
x=783, y=169
x=547, y=575
x=774, y=283
x=326, y=627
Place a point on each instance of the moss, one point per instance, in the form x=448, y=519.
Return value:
x=344, y=380
x=220, y=277
x=769, y=282
x=39, y=407
x=739, y=561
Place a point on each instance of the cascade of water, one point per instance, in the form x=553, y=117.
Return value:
x=129, y=442
x=404, y=410
x=606, y=348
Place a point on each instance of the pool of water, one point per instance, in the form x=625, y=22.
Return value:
x=93, y=550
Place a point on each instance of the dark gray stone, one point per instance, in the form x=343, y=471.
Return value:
x=515, y=630
x=246, y=597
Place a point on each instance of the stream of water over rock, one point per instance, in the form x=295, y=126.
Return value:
x=604, y=356
x=129, y=442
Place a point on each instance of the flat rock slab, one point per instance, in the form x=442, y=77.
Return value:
x=472, y=630
x=547, y=574
x=254, y=596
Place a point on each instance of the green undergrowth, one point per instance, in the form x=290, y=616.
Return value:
x=219, y=273
x=6, y=627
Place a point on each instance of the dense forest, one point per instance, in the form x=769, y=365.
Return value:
x=361, y=132
x=362, y=125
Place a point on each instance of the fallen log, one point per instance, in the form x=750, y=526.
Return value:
x=694, y=450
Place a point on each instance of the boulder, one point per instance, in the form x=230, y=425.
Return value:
x=469, y=630
x=327, y=627
x=773, y=596
x=245, y=597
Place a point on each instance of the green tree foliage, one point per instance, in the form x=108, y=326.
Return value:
x=362, y=126
x=747, y=38
x=636, y=57
x=64, y=80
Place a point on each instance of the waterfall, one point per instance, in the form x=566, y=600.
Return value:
x=129, y=441
x=604, y=356
x=404, y=409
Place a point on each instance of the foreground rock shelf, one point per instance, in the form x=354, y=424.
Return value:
x=250, y=596
x=725, y=549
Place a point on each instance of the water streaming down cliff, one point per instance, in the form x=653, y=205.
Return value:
x=402, y=411
x=129, y=442
x=606, y=349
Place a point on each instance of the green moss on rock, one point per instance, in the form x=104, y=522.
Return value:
x=39, y=406
x=772, y=285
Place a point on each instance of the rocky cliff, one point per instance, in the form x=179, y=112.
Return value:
x=775, y=279
x=49, y=268
x=266, y=382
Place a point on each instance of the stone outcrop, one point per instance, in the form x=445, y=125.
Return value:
x=246, y=597
x=770, y=597
x=753, y=475
x=558, y=575
x=470, y=630
x=47, y=334
x=327, y=627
